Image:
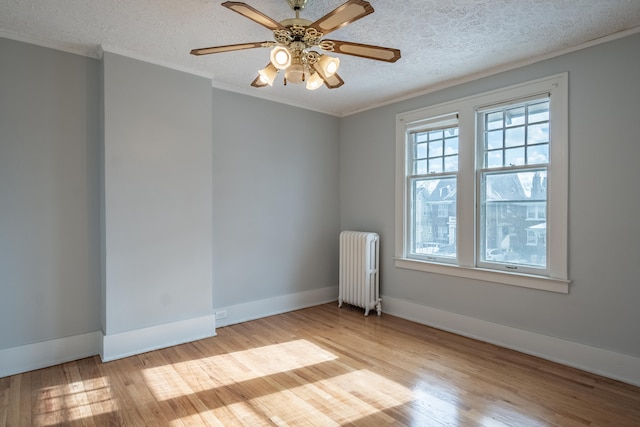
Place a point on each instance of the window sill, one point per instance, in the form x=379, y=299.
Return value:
x=505, y=278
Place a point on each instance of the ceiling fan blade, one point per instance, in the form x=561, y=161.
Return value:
x=253, y=14
x=378, y=53
x=228, y=48
x=333, y=82
x=343, y=15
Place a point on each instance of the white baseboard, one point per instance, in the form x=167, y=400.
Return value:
x=607, y=363
x=124, y=344
x=16, y=360
x=276, y=305
x=29, y=357
x=110, y=347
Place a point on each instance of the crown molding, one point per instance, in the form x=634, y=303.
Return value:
x=133, y=55
x=497, y=70
x=91, y=51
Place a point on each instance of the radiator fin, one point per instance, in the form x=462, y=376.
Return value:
x=359, y=272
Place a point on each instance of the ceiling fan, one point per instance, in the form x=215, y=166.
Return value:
x=295, y=39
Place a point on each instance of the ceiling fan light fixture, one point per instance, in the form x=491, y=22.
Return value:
x=314, y=81
x=280, y=57
x=328, y=65
x=294, y=74
x=268, y=74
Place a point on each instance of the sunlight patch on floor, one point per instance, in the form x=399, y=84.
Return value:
x=359, y=394
x=344, y=399
x=209, y=417
x=438, y=402
x=74, y=401
x=225, y=416
x=291, y=383
x=167, y=382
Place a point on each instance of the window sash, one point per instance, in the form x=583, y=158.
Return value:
x=432, y=164
x=519, y=133
x=510, y=235
x=504, y=224
x=432, y=218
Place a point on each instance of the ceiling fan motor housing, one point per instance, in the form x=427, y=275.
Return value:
x=297, y=4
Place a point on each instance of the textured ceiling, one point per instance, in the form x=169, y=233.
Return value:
x=442, y=41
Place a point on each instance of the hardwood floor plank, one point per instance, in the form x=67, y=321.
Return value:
x=5, y=386
x=76, y=399
x=13, y=399
x=48, y=396
x=103, y=403
x=24, y=404
x=321, y=366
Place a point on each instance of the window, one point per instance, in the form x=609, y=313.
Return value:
x=513, y=151
x=433, y=166
x=481, y=186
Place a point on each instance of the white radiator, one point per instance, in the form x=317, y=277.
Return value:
x=359, y=275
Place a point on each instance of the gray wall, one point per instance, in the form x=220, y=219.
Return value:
x=604, y=230
x=276, y=210
x=276, y=199
x=157, y=195
x=272, y=200
x=49, y=198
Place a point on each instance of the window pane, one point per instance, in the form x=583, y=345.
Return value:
x=514, y=116
x=538, y=133
x=513, y=218
x=421, y=151
x=539, y=112
x=421, y=167
x=494, y=121
x=494, y=139
x=451, y=164
x=493, y=159
x=433, y=225
x=514, y=156
x=451, y=146
x=435, y=148
x=538, y=154
x=435, y=134
x=514, y=137
x=435, y=165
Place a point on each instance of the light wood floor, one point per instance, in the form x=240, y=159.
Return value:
x=320, y=366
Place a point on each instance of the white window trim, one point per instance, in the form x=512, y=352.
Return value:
x=557, y=193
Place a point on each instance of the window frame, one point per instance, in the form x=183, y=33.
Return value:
x=555, y=278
